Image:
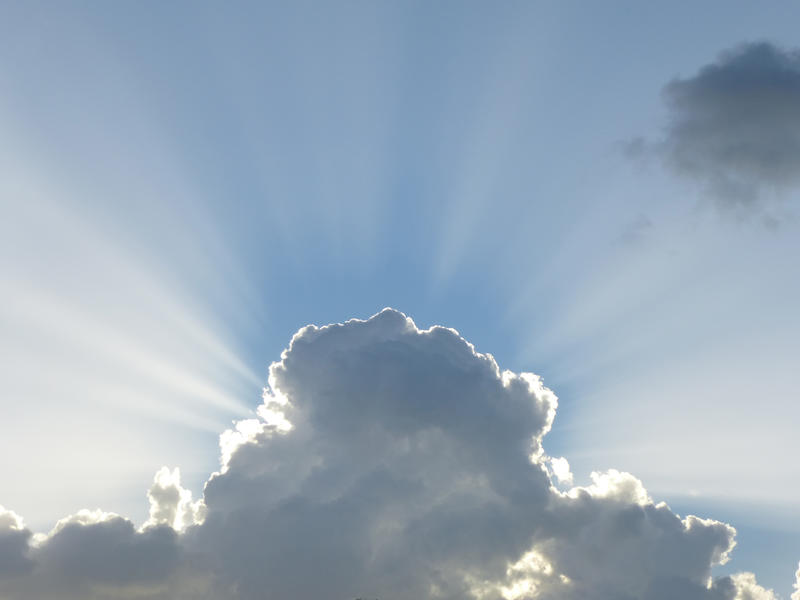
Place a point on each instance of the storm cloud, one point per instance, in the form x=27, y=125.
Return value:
x=385, y=461
x=735, y=126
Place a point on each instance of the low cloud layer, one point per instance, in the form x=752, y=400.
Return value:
x=735, y=126
x=386, y=462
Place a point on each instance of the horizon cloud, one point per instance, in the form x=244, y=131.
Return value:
x=385, y=461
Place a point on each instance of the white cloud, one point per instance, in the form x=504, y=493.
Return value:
x=614, y=485
x=393, y=462
x=171, y=504
x=748, y=589
x=560, y=468
x=10, y=521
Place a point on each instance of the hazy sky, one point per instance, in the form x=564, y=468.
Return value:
x=604, y=194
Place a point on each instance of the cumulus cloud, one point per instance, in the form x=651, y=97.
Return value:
x=386, y=461
x=171, y=504
x=93, y=555
x=735, y=125
x=748, y=589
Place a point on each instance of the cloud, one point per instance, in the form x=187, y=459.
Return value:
x=393, y=462
x=735, y=126
x=171, y=504
x=14, y=544
x=559, y=467
x=94, y=555
x=748, y=588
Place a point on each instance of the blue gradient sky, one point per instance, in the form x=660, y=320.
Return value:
x=185, y=185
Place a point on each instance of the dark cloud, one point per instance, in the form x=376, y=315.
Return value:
x=393, y=462
x=93, y=555
x=14, y=545
x=110, y=551
x=735, y=126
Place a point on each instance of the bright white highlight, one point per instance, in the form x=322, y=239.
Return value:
x=560, y=468
x=171, y=504
x=10, y=520
x=243, y=432
x=83, y=518
x=525, y=576
x=614, y=484
x=747, y=588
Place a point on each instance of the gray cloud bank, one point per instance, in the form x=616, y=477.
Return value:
x=735, y=126
x=385, y=462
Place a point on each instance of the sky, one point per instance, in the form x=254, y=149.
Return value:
x=605, y=195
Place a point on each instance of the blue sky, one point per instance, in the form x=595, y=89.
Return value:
x=183, y=186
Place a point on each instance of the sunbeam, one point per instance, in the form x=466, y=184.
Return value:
x=604, y=195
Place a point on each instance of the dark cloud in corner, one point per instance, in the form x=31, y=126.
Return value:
x=735, y=126
x=386, y=462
